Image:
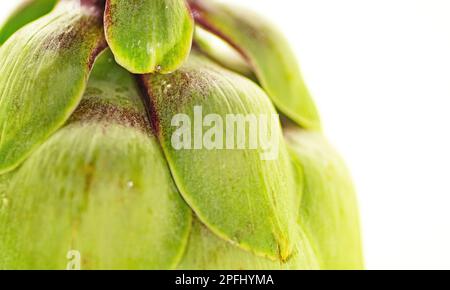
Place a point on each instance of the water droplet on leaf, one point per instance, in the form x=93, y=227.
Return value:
x=130, y=184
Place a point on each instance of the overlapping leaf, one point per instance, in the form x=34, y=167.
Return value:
x=108, y=192
x=237, y=194
x=222, y=53
x=44, y=69
x=206, y=251
x=267, y=51
x=149, y=35
x=27, y=12
x=100, y=186
x=328, y=212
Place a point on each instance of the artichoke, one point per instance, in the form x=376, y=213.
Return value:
x=95, y=165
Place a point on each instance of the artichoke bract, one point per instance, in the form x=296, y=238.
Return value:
x=128, y=141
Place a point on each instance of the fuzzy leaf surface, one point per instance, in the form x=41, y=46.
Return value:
x=99, y=186
x=44, y=69
x=238, y=195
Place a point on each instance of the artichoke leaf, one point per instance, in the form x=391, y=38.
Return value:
x=149, y=36
x=269, y=54
x=222, y=53
x=100, y=186
x=27, y=12
x=328, y=210
x=206, y=251
x=239, y=195
x=44, y=68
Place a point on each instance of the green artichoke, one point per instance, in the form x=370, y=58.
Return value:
x=89, y=92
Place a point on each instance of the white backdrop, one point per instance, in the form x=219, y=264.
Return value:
x=380, y=73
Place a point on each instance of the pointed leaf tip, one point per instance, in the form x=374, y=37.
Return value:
x=267, y=51
x=206, y=251
x=239, y=195
x=149, y=35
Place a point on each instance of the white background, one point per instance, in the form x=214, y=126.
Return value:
x=380, y=73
